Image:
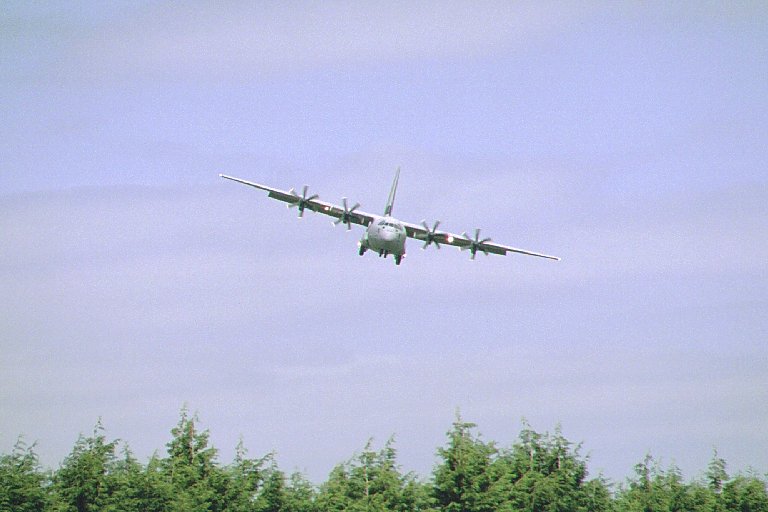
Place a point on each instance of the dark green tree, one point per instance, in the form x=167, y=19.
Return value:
x=334, y=495
x=245, y=479
x=197, y=482
x=272, y=497
x=745, y=494
x=597, y=496
x=123, y=485
x=716, y=474
x=679, y=494
x=371, y=482
x=543, y=472
x=81, y=483
x=643, y=493
x=300, y=494
x=132, y=487
x=156, y=488
x=654, y=490
x=22, y=482
x=463, y=478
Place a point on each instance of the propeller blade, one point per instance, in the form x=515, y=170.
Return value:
x=430, y=237
x=301, y=200
x=349, y=215
x=346, y=214
x=475, y=243
x=343, y=213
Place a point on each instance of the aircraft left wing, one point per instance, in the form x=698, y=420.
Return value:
x=464, y=241
x=343, y=213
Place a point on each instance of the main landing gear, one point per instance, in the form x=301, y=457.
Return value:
x=398, y=257
x=382, y=254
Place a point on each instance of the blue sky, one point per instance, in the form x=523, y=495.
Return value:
x=629, y=139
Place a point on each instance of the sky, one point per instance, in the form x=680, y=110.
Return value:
x=628, y=138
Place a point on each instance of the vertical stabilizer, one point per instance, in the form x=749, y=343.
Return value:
x=391, y=200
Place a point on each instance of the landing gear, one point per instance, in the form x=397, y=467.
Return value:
x=383, y=254
x=362, y=250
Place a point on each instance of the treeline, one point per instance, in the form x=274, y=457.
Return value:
x=539, y=472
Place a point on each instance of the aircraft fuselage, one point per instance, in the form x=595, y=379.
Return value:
x=386, y=235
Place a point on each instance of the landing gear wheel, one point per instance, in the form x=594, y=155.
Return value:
x=362, y=250
x=398, y=259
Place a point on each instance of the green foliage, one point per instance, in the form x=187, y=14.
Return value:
x=716, y=474
x=272, y=497
x=654, y=489
x=22, y=484
x=463, y=481
x=198, y=483
x=245, y=478
x=81, y=483
x=371, y=482
x=300, y=494
x=538, y=473
x=132, y=488
x=745, y=494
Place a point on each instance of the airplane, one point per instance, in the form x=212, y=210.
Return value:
x=385, y=234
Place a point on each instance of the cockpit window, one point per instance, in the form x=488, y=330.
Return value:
x=385, y=223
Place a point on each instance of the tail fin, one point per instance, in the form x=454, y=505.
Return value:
x=391, y=200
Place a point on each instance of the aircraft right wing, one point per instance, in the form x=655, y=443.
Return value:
x=343, y=213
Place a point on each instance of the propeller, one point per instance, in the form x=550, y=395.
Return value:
x=475, y=243
x=302, y=200
x=346, y=215
x=430, y=237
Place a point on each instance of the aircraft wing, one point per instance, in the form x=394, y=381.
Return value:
x=464, y=241
x=343, y=213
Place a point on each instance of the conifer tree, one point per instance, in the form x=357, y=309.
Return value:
x=21, y=480
x=300, y=494
x=462, y=480
x=81, y=482
x=745, y=494
x=371, y=482
x=245, y=478
x=197, y=482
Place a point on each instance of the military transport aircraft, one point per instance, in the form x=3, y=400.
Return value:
x=384, y=234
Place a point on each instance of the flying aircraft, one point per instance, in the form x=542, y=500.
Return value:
x=385, y=234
